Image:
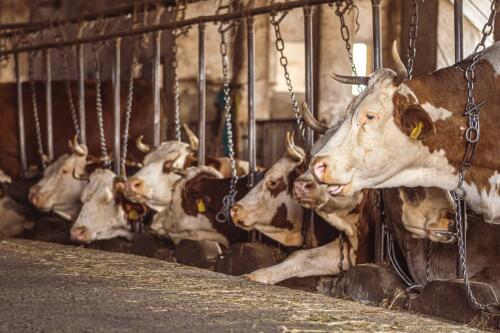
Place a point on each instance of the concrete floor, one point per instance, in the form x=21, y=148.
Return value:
x=52, y=288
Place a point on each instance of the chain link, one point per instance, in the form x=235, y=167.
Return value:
x=344, y=30
x=412, y=37
x=280, y=46
x=175, y=88
x=36, y=116
x=428, y=253
x=229, y=199
x=341, y=249
x=98, y=105
x=472, y=136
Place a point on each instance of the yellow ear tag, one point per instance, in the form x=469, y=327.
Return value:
x=133, y=215
x=201, y=206
x=417, y=130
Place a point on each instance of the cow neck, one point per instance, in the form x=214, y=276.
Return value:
x=449, y=137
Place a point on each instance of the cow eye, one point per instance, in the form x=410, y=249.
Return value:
x=271, y=184
x=64, y=171
x=370, y=116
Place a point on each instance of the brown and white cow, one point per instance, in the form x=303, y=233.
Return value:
x=153, y=183
x=196, y=200
x=105, y=212
x=412, y=133
x=60, y=188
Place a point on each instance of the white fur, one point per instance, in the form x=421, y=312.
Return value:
x=436, y=113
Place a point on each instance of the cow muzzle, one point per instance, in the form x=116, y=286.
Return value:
x=237, y=214
x=80, y=235
x=303, y=188
x=135, y=188
x=35, y=197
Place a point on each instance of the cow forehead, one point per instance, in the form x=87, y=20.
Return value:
x=57, y=165
x=161, y=153
x=99, y=181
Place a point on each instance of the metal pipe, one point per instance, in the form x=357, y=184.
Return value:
x=252, y=138
x=202, y=94
x=20, y=116
x=156, y=89
x=117, y=109
x=458, y=19
x=377, y=35
x=81, y=95
x=48, y=105
x=232, y=16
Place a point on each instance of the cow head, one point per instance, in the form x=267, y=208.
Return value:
x=103, y=214
x=12, y=221
x=186, y=216
x=380, y=142
x=152, y=184
x=269, y=207
x=62, y=184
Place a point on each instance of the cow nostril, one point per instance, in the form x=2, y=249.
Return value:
x=309, y=186
x=79, y=233
x=136, y=184
x=234, y=211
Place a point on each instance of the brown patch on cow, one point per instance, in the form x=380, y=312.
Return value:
x=280, y=220
x=190, y=161
x=293, y=175
x=276, y=187
x=435, y=89
x=414, y=195
x=369, y=216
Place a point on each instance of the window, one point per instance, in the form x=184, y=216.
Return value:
x=360, y=56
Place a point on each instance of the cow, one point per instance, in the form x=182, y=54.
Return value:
x=105, y=213
x=153, y=183
x=13, y=221
x=141, y=120
x=60, y=188
x=197, y=198
x=411, y=132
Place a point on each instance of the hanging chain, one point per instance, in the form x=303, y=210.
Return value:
x=98, y=106
x=36, y=116
x=128, y=111
x=412, y=38
x=175, y=88
x=228, y=200
x=472, y=135
x=428, y=253
x=341, y=256
x=344, y=30
x=280, y=46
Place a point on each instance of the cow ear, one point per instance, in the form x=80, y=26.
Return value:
x=415, y=122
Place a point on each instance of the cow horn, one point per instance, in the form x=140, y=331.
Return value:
x=291, y=148
x=356, y=80
x=80, y=177
x=193, y=139
x=400, y=66
x=141, y=145
x=80, y=150
x=311, y=121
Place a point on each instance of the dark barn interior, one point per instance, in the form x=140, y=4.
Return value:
x=249, y=166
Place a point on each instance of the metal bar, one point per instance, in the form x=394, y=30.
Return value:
x=81, y=95
x=202, y=94
x=156, y=88
x=252, y=138
x=20, y=116
x=117, y=109
x=48, y=105
x=458, y=19
x=115, y=12
x=309, y=96
x=459, y=54
x=377, y=35
x=277, y=7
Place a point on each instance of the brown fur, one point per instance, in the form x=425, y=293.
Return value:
x=414, y=195
x=369, y=215
x=446, y=88
x=280, y=220
x=278, y=187
x=141, y=121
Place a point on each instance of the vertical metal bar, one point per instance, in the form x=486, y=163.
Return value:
x=309, y=95
x=117, y=108
x=459, y=54
x=459, y=29
x=202, y=93
x=377, y=35
x=377, y=63
x=20, y=116
x=81, y=95
x=252, y=144
x=156, y=88
x=48, y=105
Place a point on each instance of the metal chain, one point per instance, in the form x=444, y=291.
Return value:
x=175, y=88
x=128, y=111
x=228, y=200
x=36, y=116
x=280, y=46
x=428, y=253
x=412, y=38
x=472, y=136
x=341, y=256
x=344, y=30
x=98, y=106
